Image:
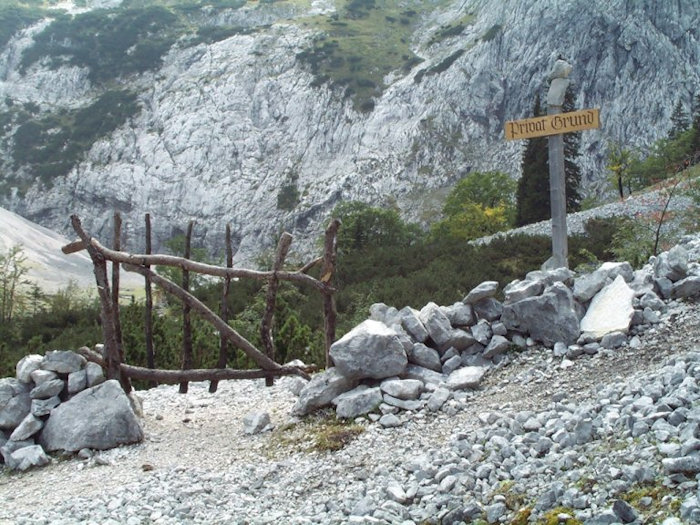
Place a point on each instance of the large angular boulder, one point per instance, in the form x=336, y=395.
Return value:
x=27, y=457
x=98, y=418
x=610, y=310
x=482, y=291
x=586, y=286
x=437, y=324
x=413, y=325
x=15, y=402
x=688, y=287
x=519, y=290
x=672, y=265
x=425, y=356
x=370, y=350
x=402, y=388
x=549, y=318
x=357, y=402
x=27, y=365
x=63, y=361
x=467, y=377
x=321, y=390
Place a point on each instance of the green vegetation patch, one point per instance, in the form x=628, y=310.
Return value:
x=318, y=432
x=492, y=33
x=361, y=44
x=51, y=145
x=110, y=43
x=452, y=29
x=14, y=18
x=441, y=67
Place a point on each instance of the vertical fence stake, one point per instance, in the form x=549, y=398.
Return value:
x=223, y=346
x=330, y=255
x=272, y=286
x=148, y=320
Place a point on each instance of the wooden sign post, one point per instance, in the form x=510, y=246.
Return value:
x=554, y=125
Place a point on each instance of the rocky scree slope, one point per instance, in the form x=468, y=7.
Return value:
x=599, y=433
x=244, y=129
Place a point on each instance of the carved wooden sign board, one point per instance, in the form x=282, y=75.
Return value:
x=553, y=124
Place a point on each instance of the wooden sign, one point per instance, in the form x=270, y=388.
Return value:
x=553, y=124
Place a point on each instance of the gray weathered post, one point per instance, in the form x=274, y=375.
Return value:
x=557, y=186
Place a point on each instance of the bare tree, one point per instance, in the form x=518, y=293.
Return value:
x=12, y=272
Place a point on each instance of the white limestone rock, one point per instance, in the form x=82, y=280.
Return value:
x=610, y=310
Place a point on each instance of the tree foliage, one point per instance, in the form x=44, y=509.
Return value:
x=532, y=203
x=533, y=197
x=480, y=204
x=364, y=226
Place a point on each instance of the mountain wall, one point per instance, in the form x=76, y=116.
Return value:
x=251, y=129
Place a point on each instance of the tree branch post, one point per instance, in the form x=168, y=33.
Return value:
x=113, y=359
x=330, y=255
x=271, y=298
x=148, y=320
x=223, y=344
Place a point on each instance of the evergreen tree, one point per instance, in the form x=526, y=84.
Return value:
x=533, y=187
x=572, y=172
x=533, y=202
x=695, y=141
x=679, y=121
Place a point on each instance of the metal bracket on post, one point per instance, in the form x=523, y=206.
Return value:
x=557, y=184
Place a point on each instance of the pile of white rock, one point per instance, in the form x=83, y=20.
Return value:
x=407, y=359
x=61, y=402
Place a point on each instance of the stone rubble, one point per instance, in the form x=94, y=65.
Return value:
x=57, y=402
x=493, y=440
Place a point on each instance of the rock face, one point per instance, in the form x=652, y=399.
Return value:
x=98, y=418
x=211, y=140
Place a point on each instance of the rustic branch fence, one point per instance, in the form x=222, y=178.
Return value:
x=113, y=358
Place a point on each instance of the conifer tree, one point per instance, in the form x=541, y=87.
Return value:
x=533, y=201
x=533, y=187
x=679, y=121
x=572, y=172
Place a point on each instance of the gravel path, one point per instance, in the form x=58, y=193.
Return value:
x=196, y=464
x=522, y=433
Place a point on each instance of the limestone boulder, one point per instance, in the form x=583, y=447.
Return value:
x=27, y=457
x=256, y=422
x=15, y=403
x=370, y=350
x=356, y=402
x=436, y=323
x=587, y=285
x=27, y=365
x=425, y=356
x=97, y=418
x=467, y=377
x=402, y=388
x=321, y=390
x=519, y=290
x=549, y=318
x=610, y=310
x=688, y=287
x=482, y=291
x=489, y=309
x=63, y=361
x=413, y=325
